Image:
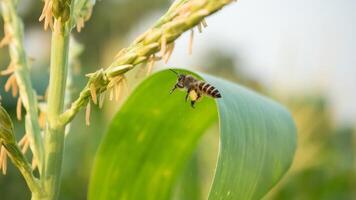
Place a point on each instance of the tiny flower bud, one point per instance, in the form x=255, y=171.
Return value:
x=66, y=13
x=118, y=70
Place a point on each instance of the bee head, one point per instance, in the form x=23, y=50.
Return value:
x=181, y=78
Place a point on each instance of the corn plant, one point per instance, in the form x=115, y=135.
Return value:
x=153, y=135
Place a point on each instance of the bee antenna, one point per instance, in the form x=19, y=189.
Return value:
x=174, y=72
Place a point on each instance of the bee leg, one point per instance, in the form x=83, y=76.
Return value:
x=198, y=96
x=186, y=96
x=172, y=90
x=192, y=104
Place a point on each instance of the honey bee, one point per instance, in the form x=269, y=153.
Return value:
x=195, y=88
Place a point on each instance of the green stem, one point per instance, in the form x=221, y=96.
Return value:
x=54, y=137
x=24, y=167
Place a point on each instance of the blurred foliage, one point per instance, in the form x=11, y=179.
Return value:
x=324, y=164
x=225, y=64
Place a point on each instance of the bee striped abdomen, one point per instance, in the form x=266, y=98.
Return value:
x=210, y=90
x=201, y=84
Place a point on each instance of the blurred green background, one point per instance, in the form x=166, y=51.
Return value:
x=298, y=53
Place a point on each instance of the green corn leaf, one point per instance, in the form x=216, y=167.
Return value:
x=6, y=127
x=154, y=135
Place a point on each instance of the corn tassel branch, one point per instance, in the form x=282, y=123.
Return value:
x=82, y=12
x=14, y=27
x=182, y=16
